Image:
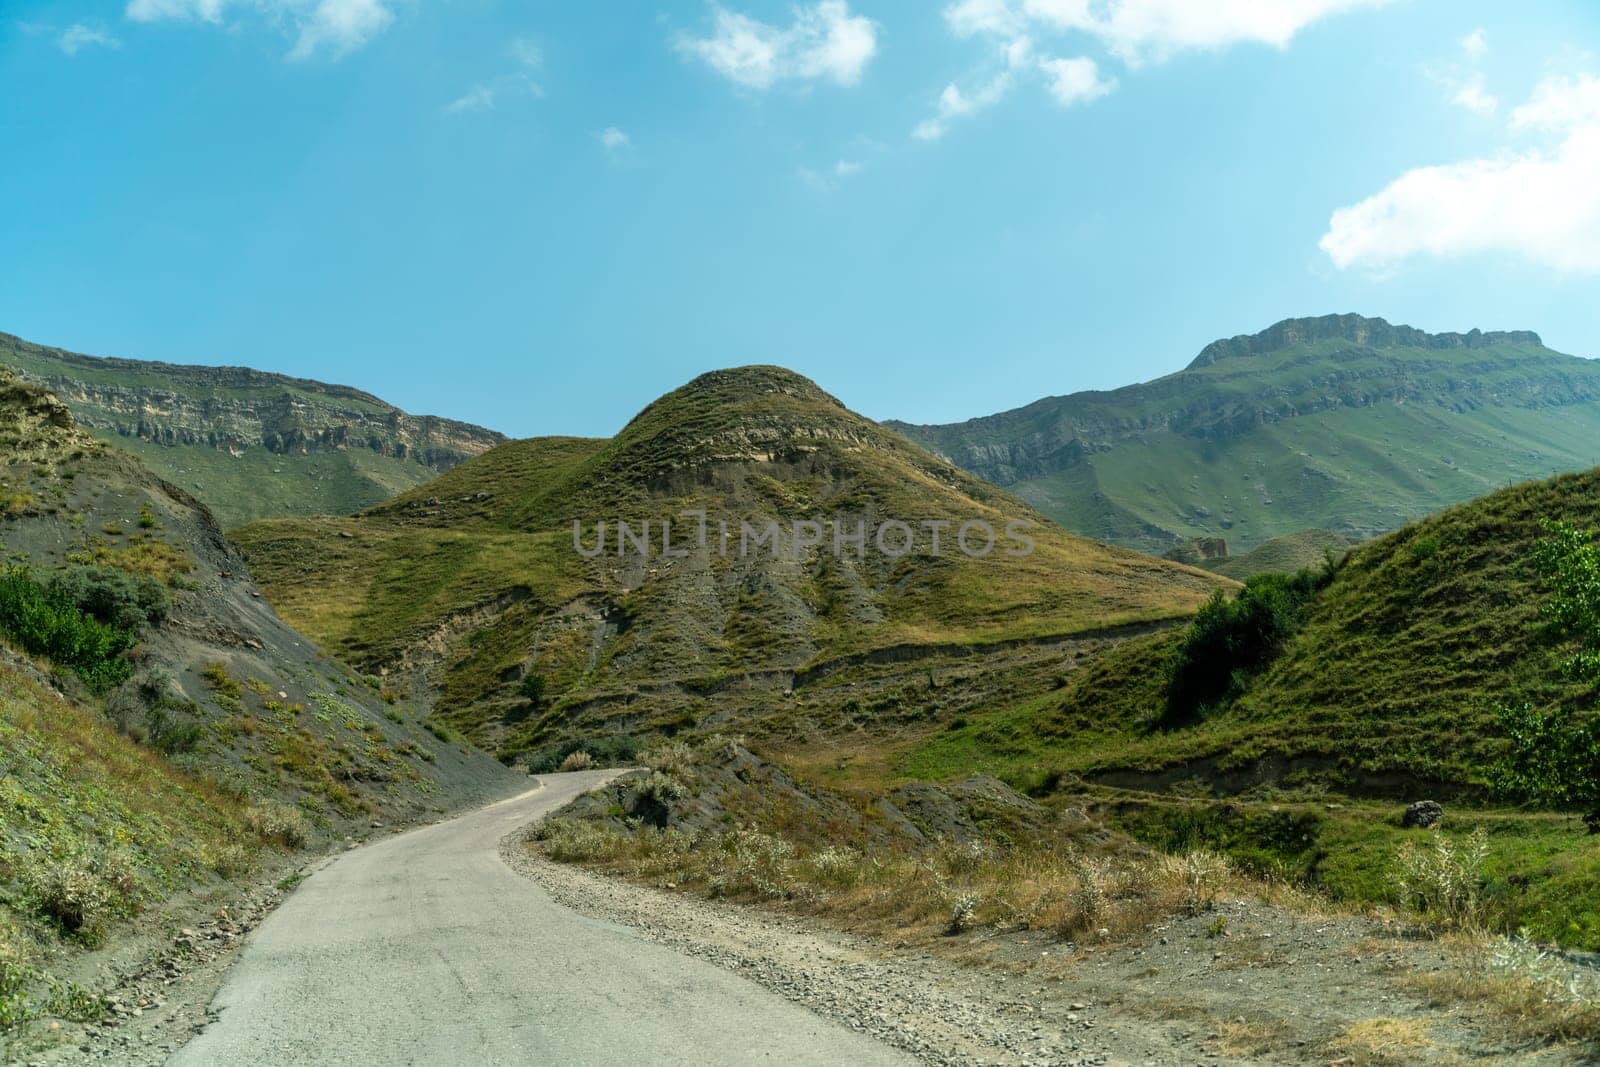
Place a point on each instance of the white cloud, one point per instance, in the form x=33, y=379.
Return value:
x=1464, y=81
x=77, y=37
x=613, y=139
x=154, y=10
x=336, y=27
x=483, y=96
x=1472, y=96
x=1560, y=104
x=1138, y=31
x=830, y=178
x=1135, y=31
x=340, y=27
x=998, y=17
x=527, y=53
x=478, y=98
x=825, y=42
x=1541, y=205
x=1074, y=81
x=954, y=103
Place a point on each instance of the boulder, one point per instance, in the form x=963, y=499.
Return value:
x=1422, y=814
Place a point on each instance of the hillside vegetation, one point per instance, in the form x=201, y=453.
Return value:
x=472, y=584
x=1390, y=685
x=251, y=444
x=160, y=727
x=1339, y=423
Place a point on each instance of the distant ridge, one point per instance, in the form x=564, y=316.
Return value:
x=1357, y=329
x=250, y=443
x=1339, y=422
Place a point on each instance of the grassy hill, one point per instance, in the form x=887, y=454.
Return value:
x=1340, y=423
x=160, y=727
x=471, y=584
x=250, y=444
x=1388, y=687
x=1386, y=693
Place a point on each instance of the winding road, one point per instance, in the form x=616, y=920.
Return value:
x=425, y=948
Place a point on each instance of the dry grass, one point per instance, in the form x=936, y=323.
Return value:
x=578, y=761
x=279, y=824
x=1244, y=1037
x=1050, y=885
x=1530, y=992
x=1380, y=1043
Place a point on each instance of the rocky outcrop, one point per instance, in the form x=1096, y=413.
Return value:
x=236, y=408
x=1358, y=330
x=317, y=448
x=1221, y=396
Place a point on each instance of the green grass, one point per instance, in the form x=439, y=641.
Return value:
x=1322, y=431
x=1388, y=690
x=1284, y=555
x=1390, y=685
x=79, y=796
x=1542, y=871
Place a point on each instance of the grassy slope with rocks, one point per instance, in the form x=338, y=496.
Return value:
x=1339, y=423
x=1284, y=555
x=251, y=444
x=472, y=584
x=224, y=733
x=1388, y=690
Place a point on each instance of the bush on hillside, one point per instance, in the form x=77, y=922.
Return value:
x=1232, y=639
x=113, y=596
x=1568, y=560
x=615, y=751
x=1554, y=756
x=47, y=621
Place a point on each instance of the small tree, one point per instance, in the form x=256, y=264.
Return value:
x=1569, y=562
x=1554, y=758
x=1232, y=639
x=532, y=690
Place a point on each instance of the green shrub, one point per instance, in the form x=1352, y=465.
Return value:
x=1230, y=640
x=616, y=750
x=1554, y=755
x=48, y=622
x=532, y=689
x=115, y=597
x=1444, y=879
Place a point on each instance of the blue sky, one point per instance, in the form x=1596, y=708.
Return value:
x=538, y=216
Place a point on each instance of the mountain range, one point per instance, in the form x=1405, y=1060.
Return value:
x=249, y=443
x=1340, y=423
x=474, y=583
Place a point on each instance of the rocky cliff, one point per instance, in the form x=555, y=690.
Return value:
x=1340, y=422
x=252, y=444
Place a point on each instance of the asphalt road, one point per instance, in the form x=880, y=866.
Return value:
x=425, y=948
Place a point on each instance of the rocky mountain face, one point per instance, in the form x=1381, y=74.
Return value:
x=252, y=444
x=1342, y=423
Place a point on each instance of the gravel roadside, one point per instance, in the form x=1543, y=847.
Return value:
x=942, y=1012
x=1278, y=988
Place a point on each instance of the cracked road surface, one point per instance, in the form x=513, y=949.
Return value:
x=425, y=948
